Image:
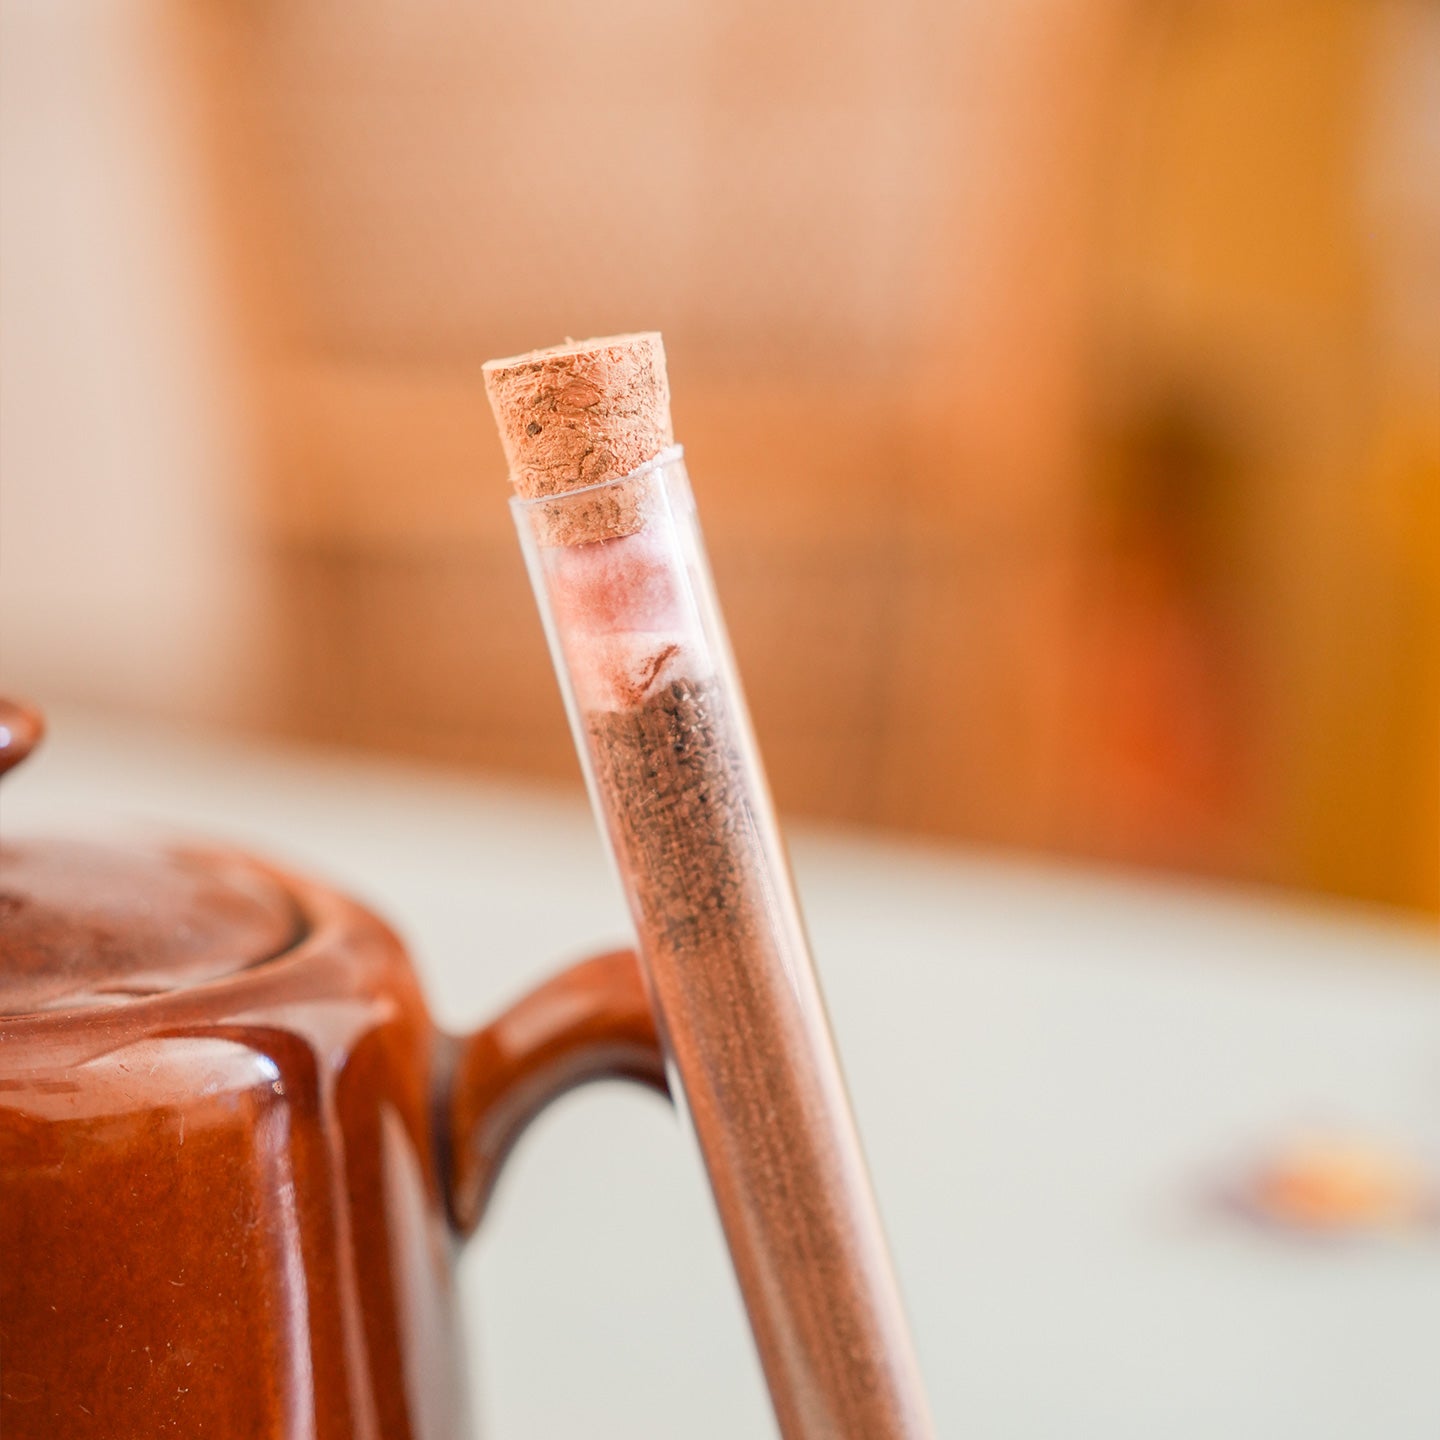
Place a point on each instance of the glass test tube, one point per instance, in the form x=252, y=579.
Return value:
x=662, y=729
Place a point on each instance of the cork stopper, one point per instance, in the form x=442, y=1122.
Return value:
x=578, y=415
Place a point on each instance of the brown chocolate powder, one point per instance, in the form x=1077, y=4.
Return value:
x=737, y=1002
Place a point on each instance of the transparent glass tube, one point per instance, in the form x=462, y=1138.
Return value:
x=677, y=786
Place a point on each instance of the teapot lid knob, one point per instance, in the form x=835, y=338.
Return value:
x=21, y=729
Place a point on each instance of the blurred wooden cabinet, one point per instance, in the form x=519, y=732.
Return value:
x=970, y=313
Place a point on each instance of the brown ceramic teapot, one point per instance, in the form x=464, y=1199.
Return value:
x=236, y=1156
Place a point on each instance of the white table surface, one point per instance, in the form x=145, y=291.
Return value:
x=1053, y=1070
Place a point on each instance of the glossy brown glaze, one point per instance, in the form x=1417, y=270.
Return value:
x=592, y=1022
x=21, y=729
x=90, y=924
x=225, y=1199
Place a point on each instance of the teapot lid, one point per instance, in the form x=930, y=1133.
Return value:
x=86, y=924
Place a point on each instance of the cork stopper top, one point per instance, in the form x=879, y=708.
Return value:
x=578, y=415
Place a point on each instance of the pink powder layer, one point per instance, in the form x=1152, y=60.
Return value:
x=625, y=584
x=628, y=624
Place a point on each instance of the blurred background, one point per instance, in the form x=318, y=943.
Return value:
x=1060, y=380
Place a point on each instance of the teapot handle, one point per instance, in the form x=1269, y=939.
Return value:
x=590, y=1022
